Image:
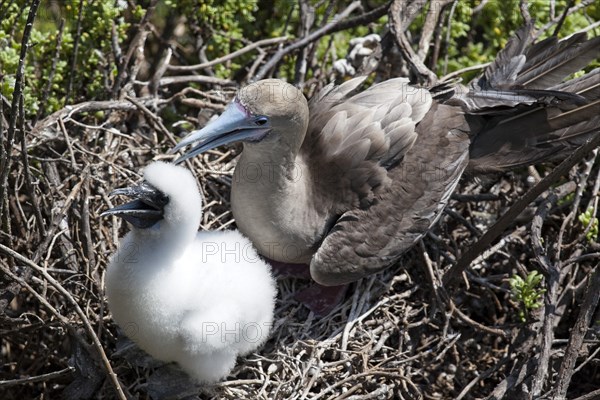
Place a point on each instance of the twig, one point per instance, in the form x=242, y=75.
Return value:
x=197, y=103
x=38, y=378
x=552, y=273
x=27, y=172
x=461, y=71
x=262, y=72
x=414, y=7
x=582, y=184
x=307, y=18
x=88, y=326
x=69, y=111
x=424, y=74
x=174, y=80
x=587, y=28
x=48, y=86
x=515, y=378
x=156, y=121
x=475, y=197
x=465, y=318
x=482, y=376
x=68, y=142
x=563, y=17
x=590, y=302
x=449, y=30
x=437, y=42
x=473, y=229
x=14, y=108
x=381, y=392
x=87, y=235
x=58, y=217
x=590, y=396
x=524, y=8
x=5, y=219
x=136, y=45
x=328, y=389
x=154, y=83
x=362, y=19
x=455, y=271
x=433, y=15
x=230, y=56
x=75, y=52
x=115, y=46
x=591, y=357
x=568, y=11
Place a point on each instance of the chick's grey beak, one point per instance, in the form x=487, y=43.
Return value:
x=146, y=208
x=234, y=125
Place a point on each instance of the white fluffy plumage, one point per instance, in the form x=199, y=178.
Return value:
x=199, y=299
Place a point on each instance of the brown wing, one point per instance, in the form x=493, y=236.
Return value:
x=365, y=241
x=352, y=140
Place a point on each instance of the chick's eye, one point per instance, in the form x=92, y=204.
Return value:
x=261, y=121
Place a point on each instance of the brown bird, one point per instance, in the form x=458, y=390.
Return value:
x=352, y=179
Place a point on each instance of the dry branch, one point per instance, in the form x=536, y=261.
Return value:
x=424, y=74
x=578, y=333
x=508, y=217
x=230, y=56
x=112, y=376
x=265, y=69
x=16, y=100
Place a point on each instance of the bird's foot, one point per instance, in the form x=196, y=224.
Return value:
x=321, y=300
x=289, y=270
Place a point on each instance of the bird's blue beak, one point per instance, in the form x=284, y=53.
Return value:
x=146, y=209
x=236, y=124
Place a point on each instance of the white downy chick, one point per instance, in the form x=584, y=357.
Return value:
x=199, y=299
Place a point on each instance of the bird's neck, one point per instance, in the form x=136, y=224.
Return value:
x=269, y=164
x=165, y=242
x=272, y=206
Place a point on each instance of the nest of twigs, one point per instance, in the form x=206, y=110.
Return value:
x=402, y=334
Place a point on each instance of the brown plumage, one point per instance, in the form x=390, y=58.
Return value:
x=351, y=180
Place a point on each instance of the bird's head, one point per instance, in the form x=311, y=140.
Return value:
x=168, y=193
x=267, y=112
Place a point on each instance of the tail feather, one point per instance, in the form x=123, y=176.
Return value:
x=531, y=115
x=528, y=76
x=535, y=133
x=573, y=135
x=501, y=73
x=587, y=85
x=587, y=112
x=552, y=66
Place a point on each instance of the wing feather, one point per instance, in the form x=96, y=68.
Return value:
x=365, y=241
x=355, y=137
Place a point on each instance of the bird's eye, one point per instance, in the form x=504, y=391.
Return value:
x=261, y=121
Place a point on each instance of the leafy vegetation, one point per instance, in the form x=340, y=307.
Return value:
x=218, y=27
x=477, y=33
x=527, y=293
x=590, y=223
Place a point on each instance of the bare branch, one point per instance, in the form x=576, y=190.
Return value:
x=590, y=302
x=431, y=21
x=16, y=100
x=112, y=376
x=230, y=56
x=262, y=72
x=424, y=74
x=524, y=7
x=517, y=208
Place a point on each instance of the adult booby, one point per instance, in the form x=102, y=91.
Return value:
x=199, y=299
x=350, y=181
